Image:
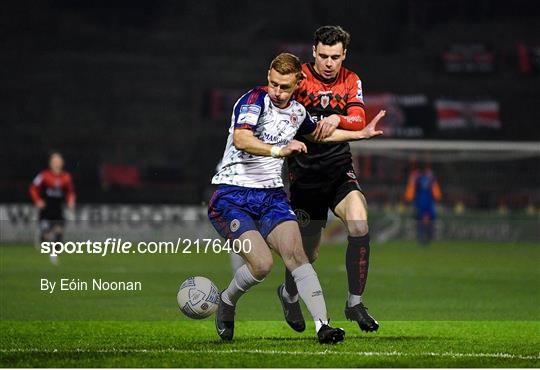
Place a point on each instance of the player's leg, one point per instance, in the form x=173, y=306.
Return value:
x=47, y=234
x=228, y=213
x=285, y=239
x=311, y=243
x=311, y=217
x=351, y=208
x=422, y=222
x=431, y=224
x=352, y=211
x=58, y=230
x=55, y=218
x=420, y=231
x=258, y=263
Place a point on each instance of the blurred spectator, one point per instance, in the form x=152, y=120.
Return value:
x=49, y=190
x=424, y=190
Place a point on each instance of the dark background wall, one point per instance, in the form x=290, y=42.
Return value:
x=130, y=82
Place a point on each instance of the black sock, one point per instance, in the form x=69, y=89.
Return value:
x=290, y=285
x=357, y=262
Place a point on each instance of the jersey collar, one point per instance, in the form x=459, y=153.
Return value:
x=318, y=76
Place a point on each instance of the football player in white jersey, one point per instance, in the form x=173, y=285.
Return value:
x=250, y=203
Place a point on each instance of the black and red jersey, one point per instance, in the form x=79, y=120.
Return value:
x=53, y=189
x=341, y=95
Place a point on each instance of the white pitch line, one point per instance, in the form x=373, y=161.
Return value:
x=275, y=352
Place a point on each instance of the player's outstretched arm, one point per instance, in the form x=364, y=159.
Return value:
x=245, y=141
x=34, y=192
x=340, y=136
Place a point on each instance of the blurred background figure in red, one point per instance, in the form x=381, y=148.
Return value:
x=50, y=189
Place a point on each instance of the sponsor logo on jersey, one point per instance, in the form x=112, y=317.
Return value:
x=249, y=114
x=54, y=192
x=248, y=108
x=235, y=225
x=302, y=217
x=273, y=139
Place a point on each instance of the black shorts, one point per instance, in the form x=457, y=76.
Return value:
x=311, y=204
x=52, y=213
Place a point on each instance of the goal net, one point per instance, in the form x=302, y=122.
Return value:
x=490, y=190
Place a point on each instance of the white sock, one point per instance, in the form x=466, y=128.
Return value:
x=289, y=298
x=353, y=300
x=310, y=290
x=242, y=281
x=319, y=324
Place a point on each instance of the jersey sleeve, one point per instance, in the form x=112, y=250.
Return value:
x=436, y=190
x=248, y=109
x=35, y=188
x=355, y=119
x=307, y=126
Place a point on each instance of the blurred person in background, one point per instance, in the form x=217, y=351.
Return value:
x=424, y=190
x=50, y=189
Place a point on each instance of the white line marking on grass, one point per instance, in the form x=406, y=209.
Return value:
x=276, y=352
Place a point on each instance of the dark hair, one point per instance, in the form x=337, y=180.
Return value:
x=331, y=35
x=286, y=63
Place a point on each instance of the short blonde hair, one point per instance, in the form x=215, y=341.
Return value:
x=287, y=63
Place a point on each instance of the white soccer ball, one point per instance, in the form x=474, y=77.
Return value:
x=198, y=297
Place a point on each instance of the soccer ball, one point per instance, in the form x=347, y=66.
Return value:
x=197, y=297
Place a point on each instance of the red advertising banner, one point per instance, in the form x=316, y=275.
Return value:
x=459, y=114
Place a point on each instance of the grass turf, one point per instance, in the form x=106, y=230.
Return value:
x=448, y=305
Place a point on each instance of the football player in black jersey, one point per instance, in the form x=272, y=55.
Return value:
x=324, y=177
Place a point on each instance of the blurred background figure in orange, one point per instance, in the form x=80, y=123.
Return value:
x=424, y=190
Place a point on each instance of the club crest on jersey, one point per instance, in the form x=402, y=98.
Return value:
x=235, y=225
x=324, y=97
x=351, y=174
x=325, y=100
x=294, y=119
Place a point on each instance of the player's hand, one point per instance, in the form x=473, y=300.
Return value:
x=371, y=129
x=293, y=148
x=326, y=127
x=40, y=204
x=70, y=212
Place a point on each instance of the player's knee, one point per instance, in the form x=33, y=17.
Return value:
x=48, y=236
x=294, y=257
x=262, y=267
x=357, y=228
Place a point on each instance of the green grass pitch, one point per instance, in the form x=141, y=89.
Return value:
x=447, y=305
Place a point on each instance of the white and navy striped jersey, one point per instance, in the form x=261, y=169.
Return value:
x=270, y=124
